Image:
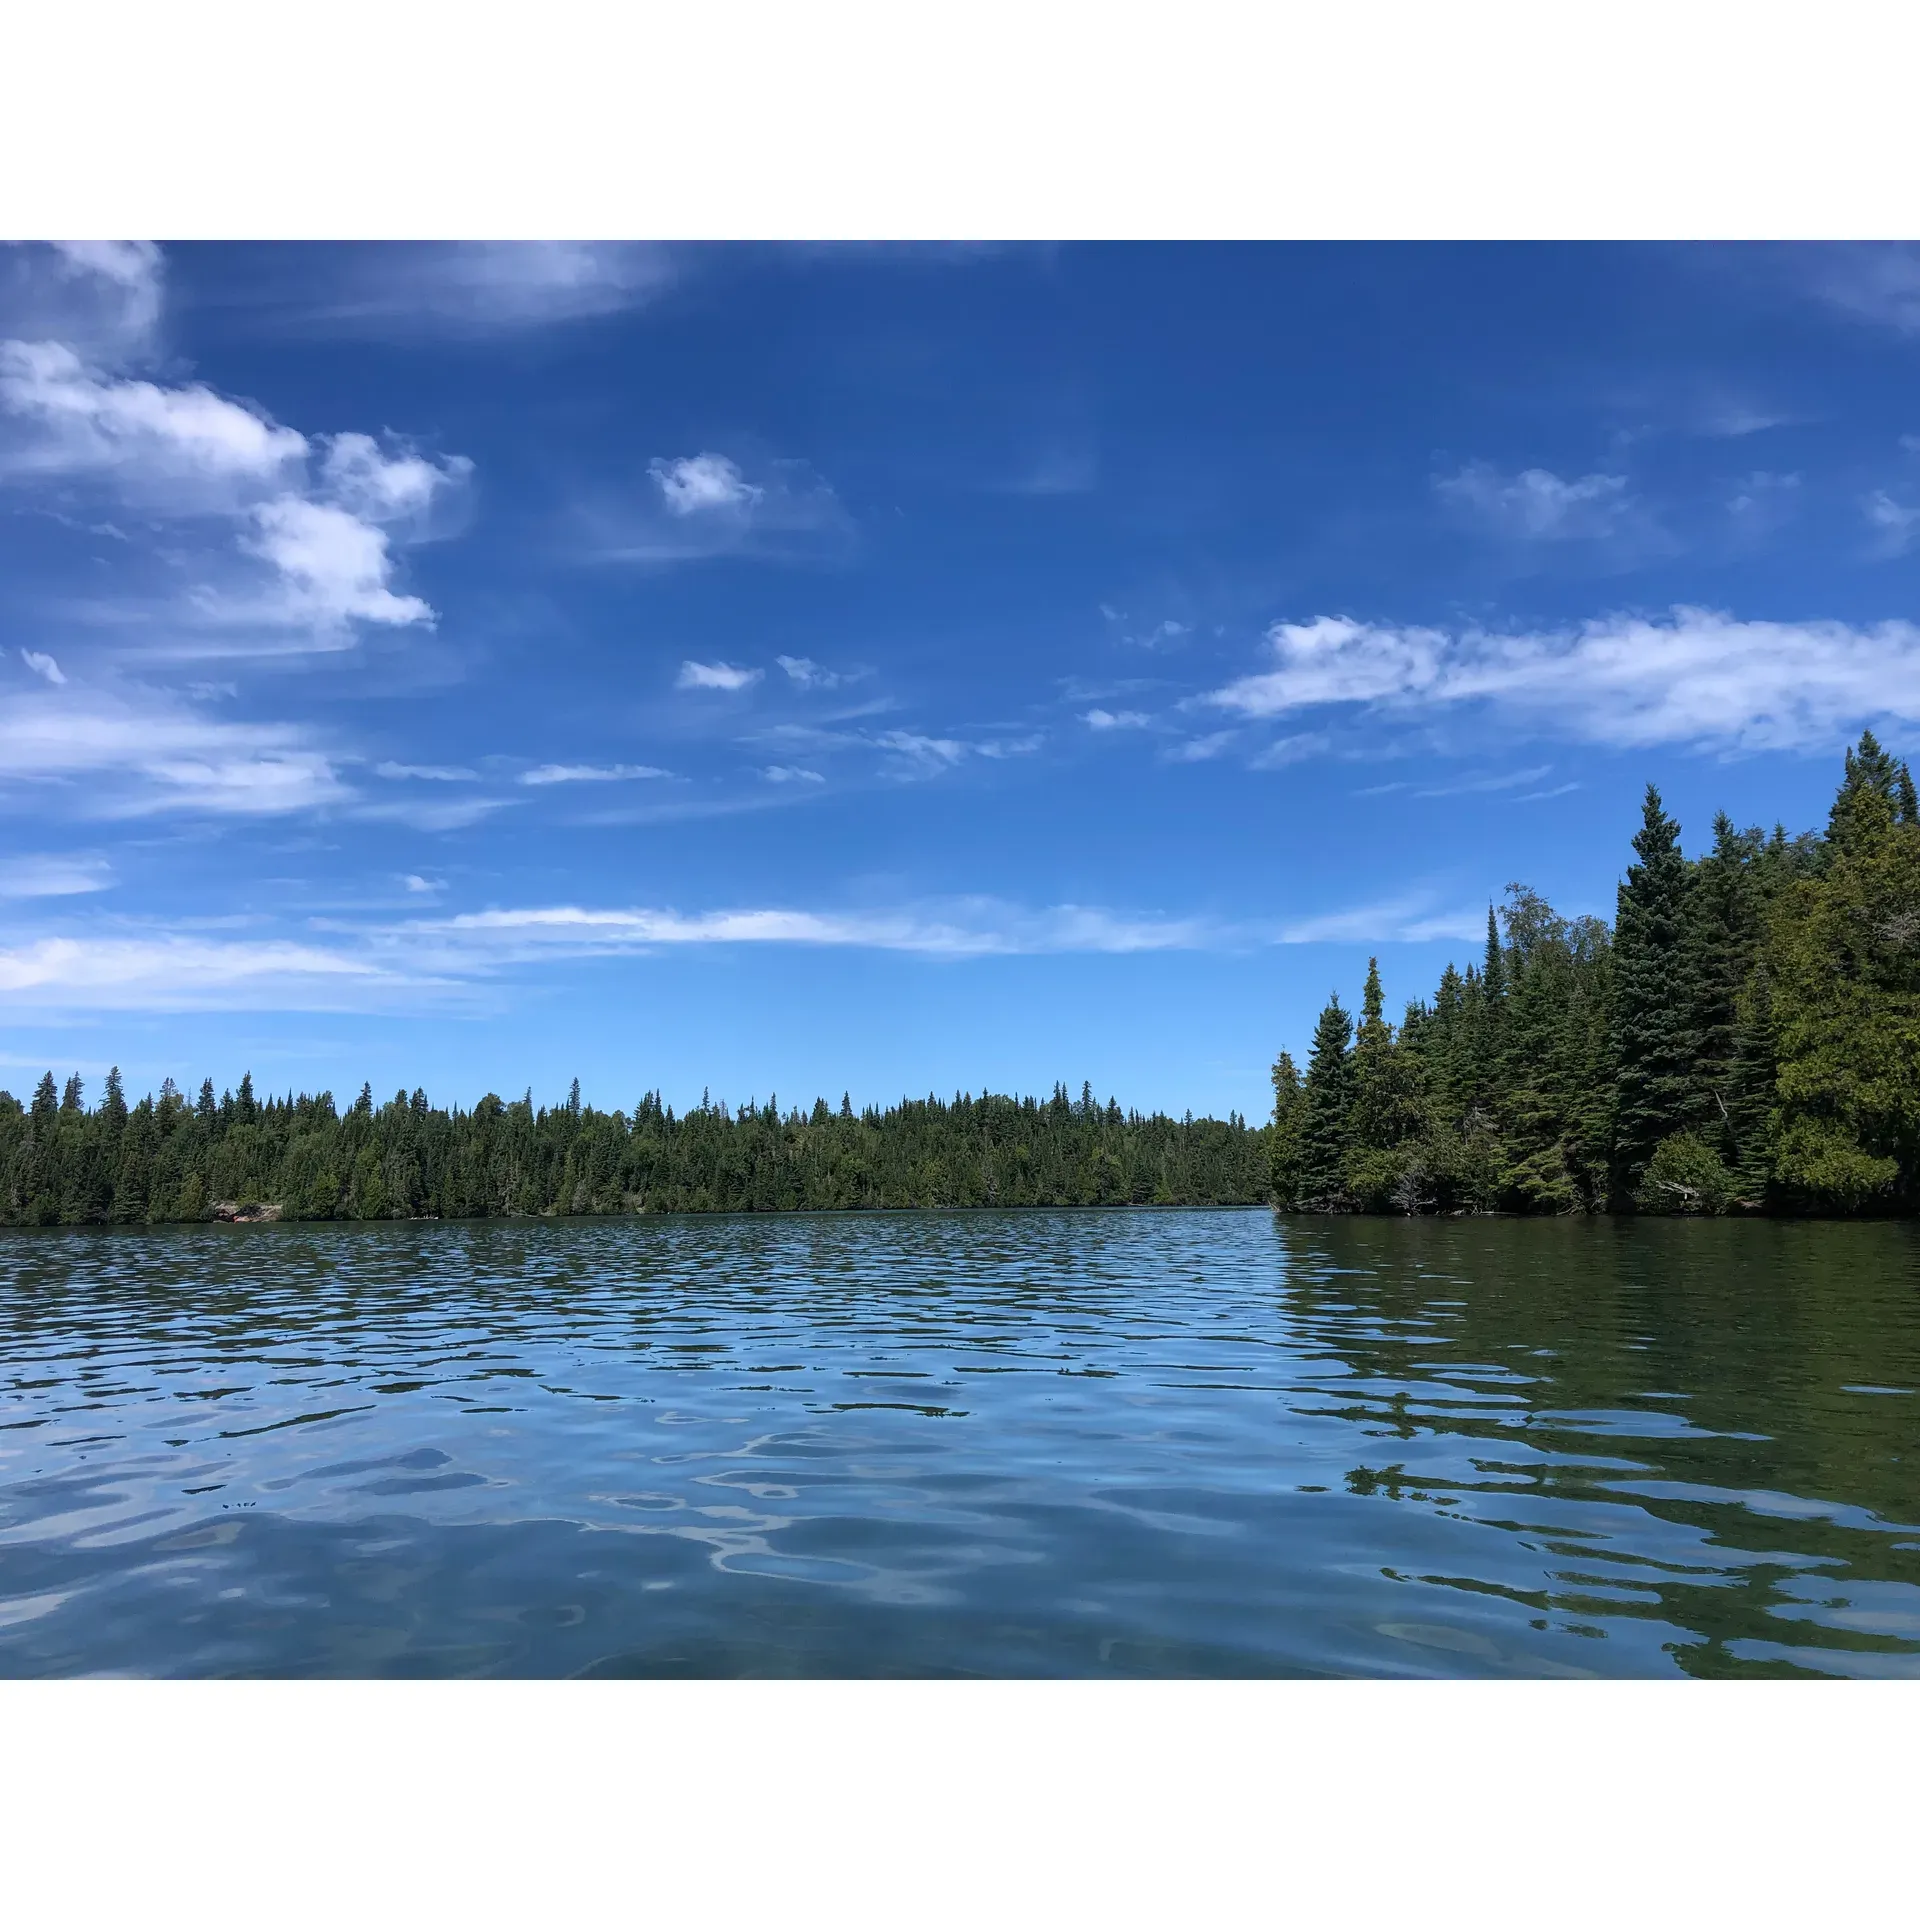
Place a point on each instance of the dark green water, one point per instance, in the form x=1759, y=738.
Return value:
x=1027, y=1444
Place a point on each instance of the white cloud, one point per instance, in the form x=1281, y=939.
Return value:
x=1102, y=721
x=170, y=449
x=789, y=776
x=184, y=452
x=1408, y=920
x=1538, y=505
x=808, y=674
x=381, y=486
x=486, y=286
x=45, y=876
x=416, y=884
x=704, y=506
x=703, y=483
x=1875, y=282
x=1622, y=680
x=1207, y=746
x=715, y=676
x=45, y=665
x=1760, y=503
x=553, y=776
x=405, y=770
x=1897, y=526
x=104, y=295
x=970, y=928
x=334, y=569
x=177, y=971
x=153, y=755
x=1489, y=783
x=923, y=750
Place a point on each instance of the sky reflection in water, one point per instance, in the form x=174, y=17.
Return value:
x=1181, y=1443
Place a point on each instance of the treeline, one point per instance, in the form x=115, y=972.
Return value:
x=167, y=1158
x=1745, y=1036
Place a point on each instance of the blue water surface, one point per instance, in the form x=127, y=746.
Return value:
x=1038, y=1444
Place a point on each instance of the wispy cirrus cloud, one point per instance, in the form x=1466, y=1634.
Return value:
x=45, y=665
x=164, y=972
x=1539, y=505
x=557, y=775
x=394, y=965
x=1695, y=677
x=134, y=752
x=459, y=289
x=406, y=770
x=51, y=876
x=1876, y=282
x=1896, y=525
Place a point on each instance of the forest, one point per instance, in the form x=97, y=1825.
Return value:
x=166, y=1158
x=1744, y=1037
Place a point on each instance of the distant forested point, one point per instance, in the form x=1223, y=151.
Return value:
x=1744, y=1037
x=170, y=1159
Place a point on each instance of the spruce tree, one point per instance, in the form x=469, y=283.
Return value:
x=1656, y=997
x=1284, y=1139
x=1328, y=1111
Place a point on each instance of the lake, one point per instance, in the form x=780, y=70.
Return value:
x=1190, y=1443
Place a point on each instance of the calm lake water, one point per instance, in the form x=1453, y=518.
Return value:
x=1191, y=1443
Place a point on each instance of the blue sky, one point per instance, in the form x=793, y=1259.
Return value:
x=802, y=669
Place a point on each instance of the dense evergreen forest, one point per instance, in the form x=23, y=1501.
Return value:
x=1746, y=1036
x=168, y=1158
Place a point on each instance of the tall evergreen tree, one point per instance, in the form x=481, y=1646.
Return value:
x=1326, y=1121
x=1285, y=1135
x=1656, y=997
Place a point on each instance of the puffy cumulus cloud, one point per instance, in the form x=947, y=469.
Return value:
x=715, y=676
x=1101, y=720
x=704, y=506
x=1695, y=677
x=45, y=665
x=172, y=449
x=387, y=486
x=703, y=483
x=1538, y=505
x=333, y=568
x=323, y=518
x=123, y=757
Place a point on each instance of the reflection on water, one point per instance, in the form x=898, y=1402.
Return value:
x=1028, y=1444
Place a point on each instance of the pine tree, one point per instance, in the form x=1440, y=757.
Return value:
x=1656, y=995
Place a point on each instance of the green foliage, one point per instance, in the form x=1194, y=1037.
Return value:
x=1327, y=1112
x=1685, y=1175
x=166, y=1160
x=1746, y=1034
